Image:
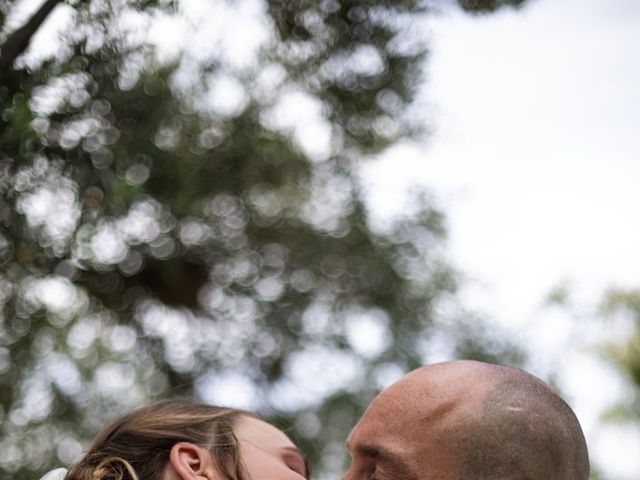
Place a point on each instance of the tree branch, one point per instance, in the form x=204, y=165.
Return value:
x=19, y=40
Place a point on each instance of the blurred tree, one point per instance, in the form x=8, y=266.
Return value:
x=192, y=224
x=617, y=343
x=488, y=6
x=624, y=354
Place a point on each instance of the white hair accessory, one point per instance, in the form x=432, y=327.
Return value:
x=55, y=474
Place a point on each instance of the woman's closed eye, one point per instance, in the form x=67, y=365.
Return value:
x=295, y=462
x=297, y=468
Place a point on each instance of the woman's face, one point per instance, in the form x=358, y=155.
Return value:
x=267, y=453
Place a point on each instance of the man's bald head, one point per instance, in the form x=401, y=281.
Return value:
x=468, y=420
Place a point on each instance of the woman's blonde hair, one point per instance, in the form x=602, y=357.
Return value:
x=136, y=446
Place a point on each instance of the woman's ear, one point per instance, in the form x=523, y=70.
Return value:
x=191, y=462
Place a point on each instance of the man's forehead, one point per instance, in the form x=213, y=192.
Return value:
x=444, y=381
x=396, y=398
x=387, y=417
x=390, y=406
x=409, y=396
x=421, y=399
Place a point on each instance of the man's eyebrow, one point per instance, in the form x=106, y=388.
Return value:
x=399, y=467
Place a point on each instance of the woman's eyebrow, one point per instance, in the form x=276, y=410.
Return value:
x=295, y=450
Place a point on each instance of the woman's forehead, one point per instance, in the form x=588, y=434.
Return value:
x=261, y=433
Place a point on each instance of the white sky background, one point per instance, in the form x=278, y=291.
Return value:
x=535, y=158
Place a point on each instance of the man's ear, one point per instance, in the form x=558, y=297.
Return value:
x=191, y=462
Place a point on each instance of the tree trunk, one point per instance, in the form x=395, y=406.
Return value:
x=19, y=40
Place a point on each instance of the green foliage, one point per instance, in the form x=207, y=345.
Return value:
x=151, y=245
x=624, y=355
x=596, y=474
x=560, y=295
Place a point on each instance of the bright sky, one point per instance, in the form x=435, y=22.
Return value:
x=534, y=158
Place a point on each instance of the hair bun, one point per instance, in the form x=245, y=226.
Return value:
x=114, y=468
